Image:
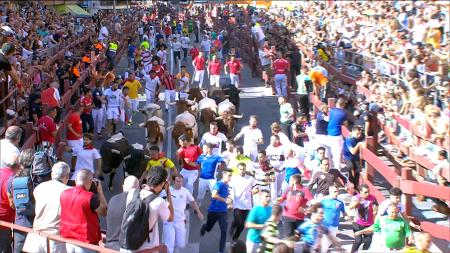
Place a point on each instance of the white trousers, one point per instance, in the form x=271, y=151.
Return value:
x=326, y=241
x=70, y=248
x=336, y=144
x=134, y=104
x=281, y=84
x=38, y=244
x=234, y=80
x=169, y=96
x=150, y=96
x=189, y=179
x=251, y=246
x=250, y=152
x=198, y=77
x=174, y=235
x=75, y=143
x=214, y=80
x=203, y=185
x=112, y=113
x=97, y=115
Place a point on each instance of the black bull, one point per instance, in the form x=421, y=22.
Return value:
x=114, y=152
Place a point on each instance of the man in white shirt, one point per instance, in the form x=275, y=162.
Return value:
x=275, y=153
x=152, y=84
x=9, y=145
x=241, y=190
x=48, y=210
x=185, y=45
x=174, y=232
x=252, y=137
x=205, y=46
x=214, y=137
x=103, y=35
x=176, y=49
x=86, y=156
x=159, y=208
x=258, y=33
x=113, y=96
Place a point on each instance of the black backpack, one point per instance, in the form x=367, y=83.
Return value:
x=135, y=228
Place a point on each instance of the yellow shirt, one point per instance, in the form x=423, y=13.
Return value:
x=234, y=163
x=161, y=162
x=414, y=250
x=133, y=88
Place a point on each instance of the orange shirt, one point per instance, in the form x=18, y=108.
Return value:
x=317, y=77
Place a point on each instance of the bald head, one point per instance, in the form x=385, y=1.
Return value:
x=13, y=134
x=130, y=182
x=84, y=177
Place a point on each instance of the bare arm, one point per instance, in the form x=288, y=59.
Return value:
x=101, y=210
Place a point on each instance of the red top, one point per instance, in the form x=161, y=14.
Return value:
x=194, y=52
x=234, y=66
x=295, y=199
x=46, y=129
x=214, y=67
x=168, y=81
x=167, y=30
x=190, y=153
x=48, y=97
x=78, y=221
x=217, y=44
x=159, y=70
x=199, y=63
x=7, y=213
x=280, y=66
x=86, y=101
x=75, y=121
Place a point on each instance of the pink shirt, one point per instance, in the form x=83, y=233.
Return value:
x=364, y=211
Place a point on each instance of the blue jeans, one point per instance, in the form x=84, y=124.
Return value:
x=19, y=240
x=223, y=224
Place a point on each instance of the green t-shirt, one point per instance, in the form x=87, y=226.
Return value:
x=286, y=110
x=394, y=231
x=301, y=83
x=258, y=215
x=190, y=25
x=270, y=230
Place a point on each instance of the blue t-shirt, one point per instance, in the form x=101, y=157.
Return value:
x=209, y=165
x=321, y=124
x=159, y=36
x=350, y=143
x=289, y=172
x=217, y=206
x=258, y=215
x=337, y=118
x=312, y=234
x=332, y=209
x=131, y=50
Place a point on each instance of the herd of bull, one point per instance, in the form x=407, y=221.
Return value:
x=215, y=104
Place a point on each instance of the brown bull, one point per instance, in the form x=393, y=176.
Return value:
x=206, y=117
x=155, y=136
x=195, y=93
x=184, y=105
x=179, y=129
x=227, y=122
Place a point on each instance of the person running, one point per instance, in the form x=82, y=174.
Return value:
x=240, y=158
x=287, y=116
x=336, y=118
x=280, y=68
x=183, y=83
x=158, y=160
x=188, y=155
x=97, y=112
x=217, y=211
x=174, y=232
x=312, y=231
x=332, y=208
x=235, y=68
x=214, y=137
x=241, y=194
x=185, y=45
x=113, y=96
x=214, y=67
x=264, y=174
x=366, y=207
x=152, y=86
x=324, y=179
x=255, y=221
x=270, y=235
x=168, y=81
x=134, y=88
x=294, y=210
x=275, y=153
x=229, y=154
x=393, y=228
x=199, y=69
x=423, y=243
x=208, y=167
x=252, y=137
x=351, y=150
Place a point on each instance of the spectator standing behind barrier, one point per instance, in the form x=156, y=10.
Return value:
x=336, y=119
x=8, y=50
x=366, y=206
x=116, y=209
x=9, y=145
x=174, y=232
x=10, y=166
x=217, y=211
x=280, y=68
x=48, y=211
x=256, y=219
x=353, y=146
x=80, y=208
x=34, y=107
x=22, y=184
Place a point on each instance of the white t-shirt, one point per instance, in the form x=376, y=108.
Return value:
x=205, y=45
x=113, y=97
x=176, y=46
x=257, y=31
x=162, y=54
x=151, y=84
x=262, y=57
x=180, y=198
x=383, y=207
x=275, y=155
x=185, y=42
x=141, y=30
x=251, y=137
x=215, y=140
x=284, y=139
x=158, y=209
x=48, y=206
x=103, y=31
x=7, y=149
x=85, y=159
x=241, y=193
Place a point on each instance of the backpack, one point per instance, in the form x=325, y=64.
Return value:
x=42, y=163
x=135, y=228
x=22, y=198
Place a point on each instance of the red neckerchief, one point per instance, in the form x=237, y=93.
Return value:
x=88, y=146
x=252, y=128
x=214, y=134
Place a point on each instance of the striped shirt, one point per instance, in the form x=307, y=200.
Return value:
x=168, y=81
x=146, y=57
x=270, y=230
